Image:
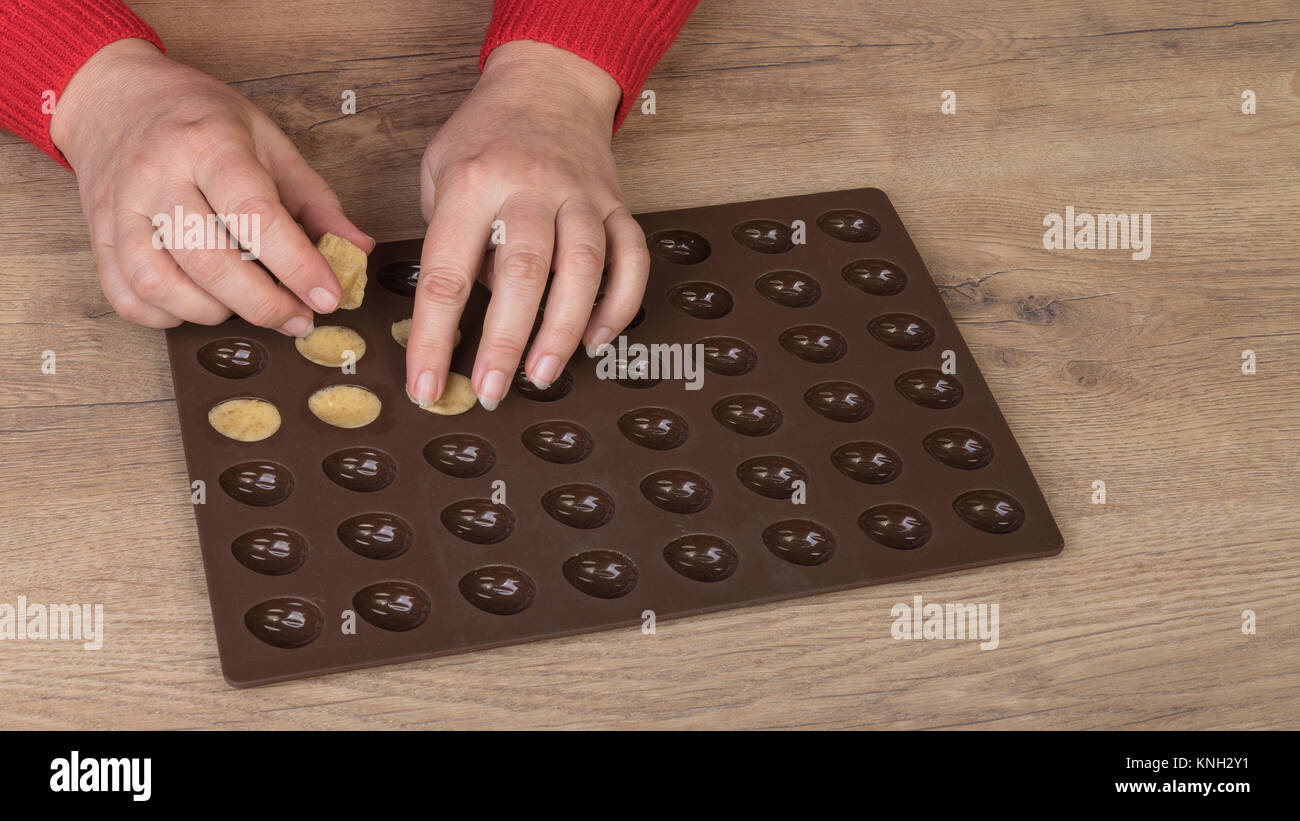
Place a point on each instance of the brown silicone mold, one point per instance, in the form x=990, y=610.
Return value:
x=329, y=548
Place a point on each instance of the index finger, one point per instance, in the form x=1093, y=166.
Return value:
x=245, y=196
x=449, y=261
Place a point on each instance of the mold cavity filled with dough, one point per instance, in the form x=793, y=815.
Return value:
x=245, y=420
x=344, y=406
x=328, y=345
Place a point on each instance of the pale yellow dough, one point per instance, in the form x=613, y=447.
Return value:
x=349, y=264
x=325, y=345
x=245, y=420
x=402, y=332
x=344, y=406
x=456, y=398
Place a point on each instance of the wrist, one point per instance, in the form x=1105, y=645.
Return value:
x=546, y=73
x=94, y=87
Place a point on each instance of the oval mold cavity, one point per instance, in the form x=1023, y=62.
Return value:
x=362, y=469
x=400, y=276
x=605, y=574
x=960, y=448
x=558, y=441
x=814, y=343
x=875, y=276
x=556, y=390
x=869, y=462
x=376, y=535
x=677, y=491
x=771, y=476
x=678, y=246
x=702, y=557
x=764, y=235
x=654, y=428
x=849, y=225
x=286, y=622
x=498, y=589
x=930, y=388
x=260, y=484
x=748, y=414
x=480, y=521
x=793, y=289
x=233, y=358
x=702, y=300
x=840, y=401
x=898, y=526
x=902, y=331
x=800, y=541
x=989, y=510
x=728, y=356
x=271, y=551
x=462, y=455
x=393, y=605
x=579, y=505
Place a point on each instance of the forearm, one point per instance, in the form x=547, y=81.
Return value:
x=42, y=44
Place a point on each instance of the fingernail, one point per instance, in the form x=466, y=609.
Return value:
x=322, y=300
x=492, y=390
x=426, y=388
x=598, y=340
x=299, y=326
x=546, y=371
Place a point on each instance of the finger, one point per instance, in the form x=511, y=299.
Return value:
x=519, y=276
x=156, y=279
x=245, y=195
x=124, y=301
x=449, y=262
x=629, y=268
x=579, y=259
x=236, y=282
x=308, y=197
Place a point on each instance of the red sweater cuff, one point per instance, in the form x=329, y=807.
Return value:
x=42, y=44
x=624, y=37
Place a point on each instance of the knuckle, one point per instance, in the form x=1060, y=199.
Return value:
x=266, y=311
x=567, y=328
x=502, y=346
x=444, y=287
x=148, y=281
x=584, y=258
x=260, y=205
x=525, y=265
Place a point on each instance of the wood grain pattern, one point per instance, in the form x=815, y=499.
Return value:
x=1107, y=368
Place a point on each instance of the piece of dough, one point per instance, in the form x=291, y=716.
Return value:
x=402, y=332
x=245, y=420
x=349, y=264
x=325, y=345
x=456, y=398
x=344, y=406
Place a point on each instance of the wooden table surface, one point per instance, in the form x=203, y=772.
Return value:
x=1108, y=368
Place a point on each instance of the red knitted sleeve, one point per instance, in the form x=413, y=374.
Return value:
x=624, y=37
x=42, y=44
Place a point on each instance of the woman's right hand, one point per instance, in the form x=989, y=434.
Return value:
x=147, y=135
